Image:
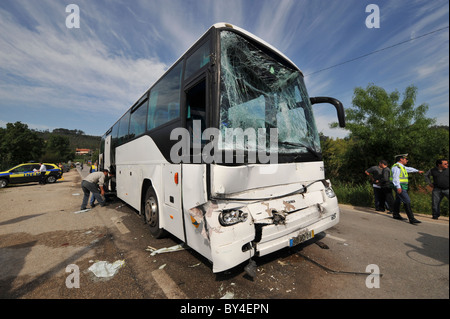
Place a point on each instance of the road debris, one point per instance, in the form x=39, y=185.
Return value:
x=250, y=269
x=166, y=249
x=282, y=263
x=82, y=211
x=228, y=295
x=103, y=269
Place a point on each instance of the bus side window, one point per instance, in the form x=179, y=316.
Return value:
x=123, y=128
x=138, y=119
x=165, y=99
x=196, y=107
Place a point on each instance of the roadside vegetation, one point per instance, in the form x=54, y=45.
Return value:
x=19, y=144
x=362, y=195
x=382, y=125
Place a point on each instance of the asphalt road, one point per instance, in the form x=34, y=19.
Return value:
x=46, y=249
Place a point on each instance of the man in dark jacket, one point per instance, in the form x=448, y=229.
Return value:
x=439, y=185
x=386, y=187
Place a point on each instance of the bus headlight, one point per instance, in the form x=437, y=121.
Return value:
x=329, y=192
x=232, y=216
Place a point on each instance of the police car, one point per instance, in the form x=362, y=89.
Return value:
x=29, y=172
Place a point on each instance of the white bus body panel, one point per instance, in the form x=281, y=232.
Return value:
x=236, y=179
x=151, y=166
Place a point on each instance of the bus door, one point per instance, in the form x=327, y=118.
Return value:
x=194, y=181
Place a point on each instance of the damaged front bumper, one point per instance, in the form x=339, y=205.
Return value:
x=262, y=227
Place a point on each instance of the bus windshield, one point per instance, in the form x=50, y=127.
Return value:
x=258, y=91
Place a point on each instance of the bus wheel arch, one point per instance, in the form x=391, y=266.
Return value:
x=151, y=213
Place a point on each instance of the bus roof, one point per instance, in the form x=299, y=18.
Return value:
x=251, y=35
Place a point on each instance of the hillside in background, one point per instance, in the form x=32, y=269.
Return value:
x=77, y=138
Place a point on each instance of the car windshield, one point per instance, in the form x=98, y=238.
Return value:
x=257, y=92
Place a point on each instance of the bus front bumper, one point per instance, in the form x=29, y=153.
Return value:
x=233, y=245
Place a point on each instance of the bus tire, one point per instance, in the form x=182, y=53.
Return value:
x=151, y=213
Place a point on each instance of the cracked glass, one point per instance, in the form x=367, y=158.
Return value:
x=257, y=91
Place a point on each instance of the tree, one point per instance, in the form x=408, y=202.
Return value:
x=382, y=125
x=334, y=153
x=58, y=149
x=18, y=144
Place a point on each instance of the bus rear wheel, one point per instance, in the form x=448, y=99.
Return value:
x=151, y=213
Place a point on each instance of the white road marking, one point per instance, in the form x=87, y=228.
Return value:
x=168, y=286
x=335, y=238
x=120, y=226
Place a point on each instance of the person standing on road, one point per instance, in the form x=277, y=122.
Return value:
x=439, y=185
x=399, y=179
x=375, y=174
x=43, y=171
x=91, y=184
x=386, y=188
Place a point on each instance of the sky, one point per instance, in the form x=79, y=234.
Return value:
x=53, y=76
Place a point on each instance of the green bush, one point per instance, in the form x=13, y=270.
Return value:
x=354, y=194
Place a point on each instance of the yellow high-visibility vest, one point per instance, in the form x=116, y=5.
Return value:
x=403, y=176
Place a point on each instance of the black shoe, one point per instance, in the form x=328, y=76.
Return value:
x=435, y=217
x=414, y=221
x=398, y=217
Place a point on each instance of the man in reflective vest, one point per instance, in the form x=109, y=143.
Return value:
x=399, y=180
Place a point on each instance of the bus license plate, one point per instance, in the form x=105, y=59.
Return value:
x=301, y=237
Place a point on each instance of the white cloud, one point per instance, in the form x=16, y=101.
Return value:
x=67, y=68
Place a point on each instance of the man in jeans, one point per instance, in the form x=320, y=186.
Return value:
x=439, y=185
x=399, y=179
x=91, y=184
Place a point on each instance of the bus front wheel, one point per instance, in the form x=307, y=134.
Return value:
x=151, y=213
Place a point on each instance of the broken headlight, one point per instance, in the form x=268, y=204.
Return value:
x=232, y=216
x=329, y=192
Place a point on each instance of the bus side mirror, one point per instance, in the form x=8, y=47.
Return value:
x=336, y=103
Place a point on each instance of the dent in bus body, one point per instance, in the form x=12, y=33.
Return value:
x=276, y=214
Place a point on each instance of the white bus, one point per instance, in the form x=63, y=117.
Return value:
x=232, y=205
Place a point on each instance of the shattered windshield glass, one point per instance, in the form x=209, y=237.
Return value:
x=258, y=92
